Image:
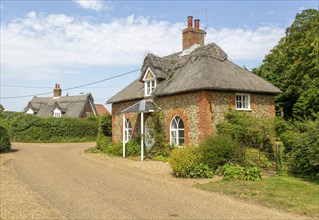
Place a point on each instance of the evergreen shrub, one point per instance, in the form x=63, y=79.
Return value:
x=5, y=144
x=31, y=128
x=218, y=150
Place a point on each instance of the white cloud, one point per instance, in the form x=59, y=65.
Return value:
x=96, y=5
x=40, y=46
x=245, y=43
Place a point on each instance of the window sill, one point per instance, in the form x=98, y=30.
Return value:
x=244, y=109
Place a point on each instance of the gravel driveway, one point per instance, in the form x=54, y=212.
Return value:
x=60, y=181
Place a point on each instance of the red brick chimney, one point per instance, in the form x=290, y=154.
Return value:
x=193, y=35
x=57, y=91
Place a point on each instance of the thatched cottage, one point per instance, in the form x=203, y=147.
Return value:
x=79, y=106
x=193, y=88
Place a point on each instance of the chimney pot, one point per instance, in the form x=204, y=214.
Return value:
x=190, y=21
x=192, y=35
x=197, y=23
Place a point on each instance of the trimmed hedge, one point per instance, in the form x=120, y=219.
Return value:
x=31, y=128
x=5, y=144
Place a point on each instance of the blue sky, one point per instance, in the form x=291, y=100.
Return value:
x=77, y=42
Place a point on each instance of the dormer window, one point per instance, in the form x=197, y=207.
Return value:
x=57, y=113
x=149, y=87
x=149, y=82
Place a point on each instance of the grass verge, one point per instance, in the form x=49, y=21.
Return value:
x=287, y=193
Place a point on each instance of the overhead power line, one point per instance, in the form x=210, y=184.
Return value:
x=75, y=87
x=49, y=87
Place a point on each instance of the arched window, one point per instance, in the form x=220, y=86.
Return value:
x=177, y=131
x=128, y=131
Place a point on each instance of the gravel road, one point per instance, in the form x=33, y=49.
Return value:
x=60, y=181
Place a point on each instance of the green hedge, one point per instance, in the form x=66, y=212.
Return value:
x=5, y=144
x=31, y=128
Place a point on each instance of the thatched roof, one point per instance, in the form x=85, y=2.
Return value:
x=198, y=68
x=71, y=106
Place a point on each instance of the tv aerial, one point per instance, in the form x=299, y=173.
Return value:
x=203, y=10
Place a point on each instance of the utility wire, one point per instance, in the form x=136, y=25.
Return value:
x=75, y=87
x=49, y=87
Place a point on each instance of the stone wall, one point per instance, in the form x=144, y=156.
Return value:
x=184, y=105
x=200, y=112
x=263, y=106
x=221, y=102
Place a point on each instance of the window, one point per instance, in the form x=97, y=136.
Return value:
x=177, y=131
x=87, y=114
x=242, y=101
x=149, y=87
x=128, y=131
x=57, y=115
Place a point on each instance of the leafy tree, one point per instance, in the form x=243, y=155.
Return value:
x=293, y=66
x=1, y=108
x=302, y=144
x=105, y=125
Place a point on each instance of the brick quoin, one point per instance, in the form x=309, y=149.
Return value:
x=113, y=122
x=181, y=114
x=233, y=101
x=252, y=102
x=205, y=124
x=272, y=111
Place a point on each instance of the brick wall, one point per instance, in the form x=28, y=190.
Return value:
x=89, y=109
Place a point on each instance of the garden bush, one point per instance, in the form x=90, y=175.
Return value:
x=255, y=158
x=105, y=145
x=133, y=147
x=186, y=162
x=5, y=144
x=218, y=150
x=249, y=131
x=237, y=172
x=302, y=147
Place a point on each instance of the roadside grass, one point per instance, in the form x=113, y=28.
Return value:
x=287, y=193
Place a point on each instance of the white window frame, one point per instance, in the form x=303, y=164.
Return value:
x=127, y=130
x=149, y=84
x=177, y=130
x=57, y=113
x=242, y=101
x=87, y=114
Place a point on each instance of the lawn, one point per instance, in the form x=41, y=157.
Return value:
x=286, y=193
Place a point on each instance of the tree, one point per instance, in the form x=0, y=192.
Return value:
x=1, y=108
x=293, y=66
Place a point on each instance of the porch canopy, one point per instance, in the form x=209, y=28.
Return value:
x=143, y=106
